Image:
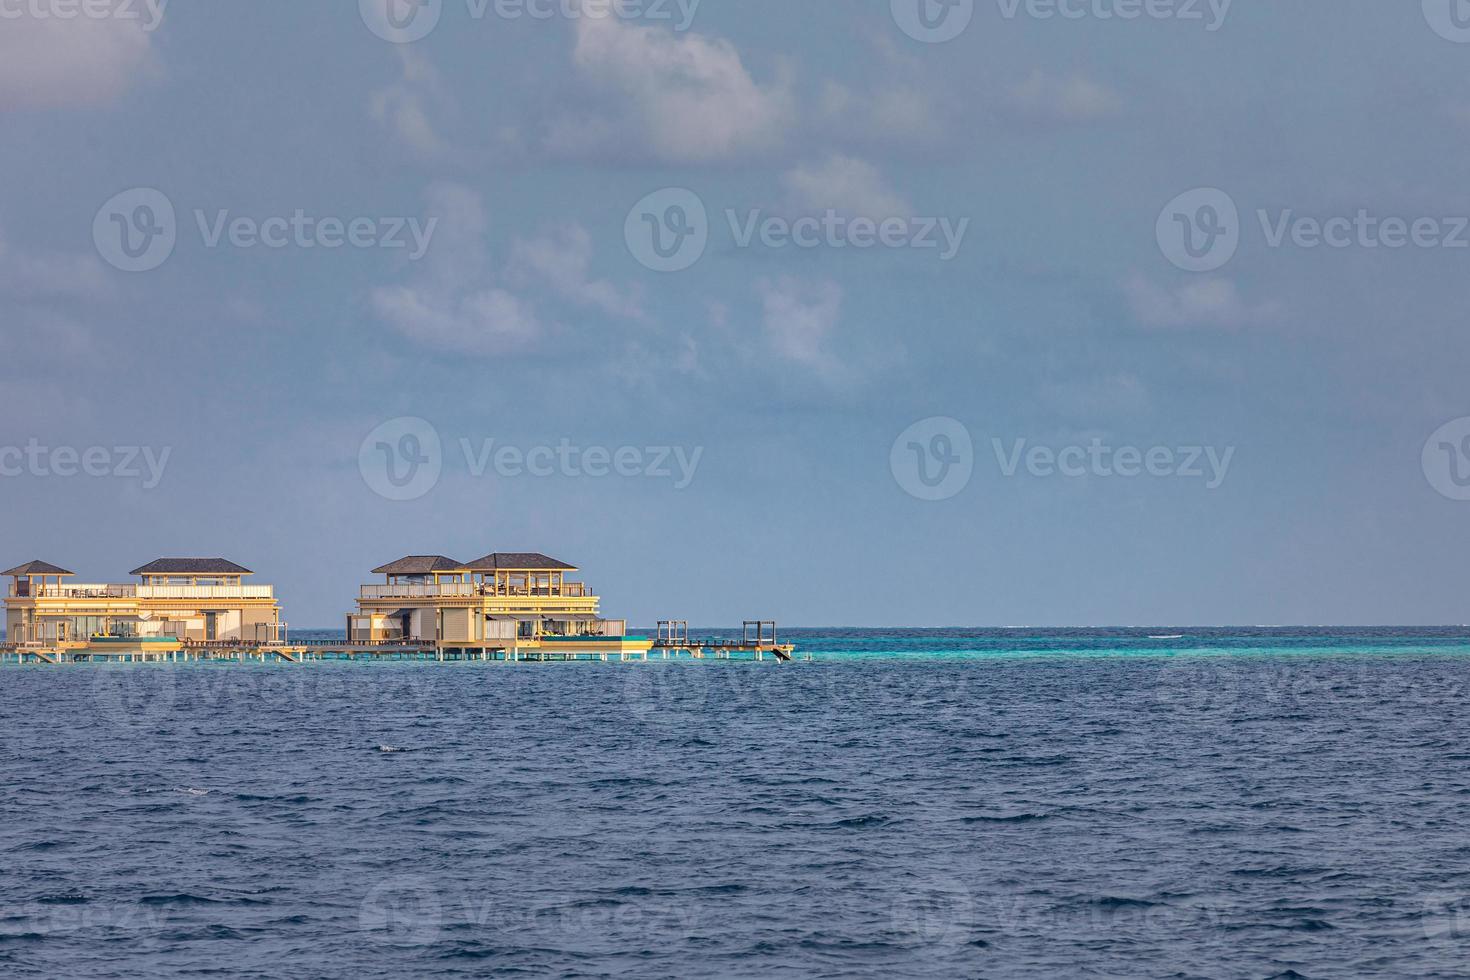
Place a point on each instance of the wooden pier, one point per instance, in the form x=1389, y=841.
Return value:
x=757, y=643
x=673, y=643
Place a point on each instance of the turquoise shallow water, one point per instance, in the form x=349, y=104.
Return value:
x=907, y=804
x=1164, y=641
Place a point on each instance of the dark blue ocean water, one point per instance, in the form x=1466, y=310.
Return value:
x=935, y=804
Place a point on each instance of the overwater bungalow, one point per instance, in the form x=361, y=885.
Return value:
x=174, y=601
x=505, y=600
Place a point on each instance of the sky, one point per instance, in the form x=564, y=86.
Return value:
x=871, y=313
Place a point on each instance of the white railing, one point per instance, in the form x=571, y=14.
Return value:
x=153, y=592
x=456, y=590
x=464, y=590
x=205, y=592
x=75, y=592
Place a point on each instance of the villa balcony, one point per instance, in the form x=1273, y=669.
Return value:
x=465, y=590
x=147, y=592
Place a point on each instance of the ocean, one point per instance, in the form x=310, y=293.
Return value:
x=1168, y=802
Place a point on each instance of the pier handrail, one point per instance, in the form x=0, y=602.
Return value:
x=150, y=592
x=465, y=590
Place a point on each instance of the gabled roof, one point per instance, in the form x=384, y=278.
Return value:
x=519, y=561
x=191, y=566
x=37, y=568
x=419, y=565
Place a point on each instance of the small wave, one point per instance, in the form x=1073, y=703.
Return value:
x=66, y=898
x=192, y=790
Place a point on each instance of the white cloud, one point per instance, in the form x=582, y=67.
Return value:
x=451, y=305
x=895, y=112
x=800, y=319
x=456, y=302
x=48, y=63
x=562, y=258
x=1200, y=302
x=683, y=98
x=486, y=322
x=29, y=273
x=403, y=108
x=1074, y=99
x=846, y=184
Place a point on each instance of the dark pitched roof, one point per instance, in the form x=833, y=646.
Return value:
x=37, y=568
x=191, y=566
x=419, y=565
x=519, y=561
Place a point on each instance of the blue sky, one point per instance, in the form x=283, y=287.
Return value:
x=790, y=380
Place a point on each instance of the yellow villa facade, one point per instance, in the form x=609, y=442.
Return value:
x=504, y=600
x=175, y=600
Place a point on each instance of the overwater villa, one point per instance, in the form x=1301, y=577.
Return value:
x=175, y=601
x=506, y=601
x=507, y=606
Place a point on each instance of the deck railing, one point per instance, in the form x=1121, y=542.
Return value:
x=151, y=592
x=464, y=590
